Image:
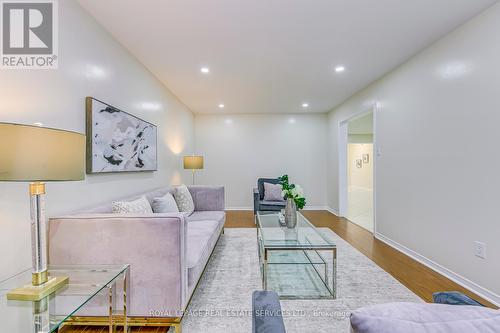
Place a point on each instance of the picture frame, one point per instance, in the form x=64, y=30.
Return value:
x=359, y=163
x=118, y=141
x=366, y=158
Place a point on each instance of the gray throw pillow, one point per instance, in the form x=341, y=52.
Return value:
x=140, y=206
x=184, y=199
x=272, y=192
x=165, y=204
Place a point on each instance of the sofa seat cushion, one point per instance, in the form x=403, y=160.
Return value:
x=272, y=205
x=217, y=216
x=416, y=317
x=198, y=237
x=201, y=239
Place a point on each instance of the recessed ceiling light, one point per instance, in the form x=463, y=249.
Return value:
x=153, y=106
x=305, y=105
x=221, y=106
x=38, y=124
x=205, y=70
x=339, y=69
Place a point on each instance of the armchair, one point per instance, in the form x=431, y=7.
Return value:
x=259, y=204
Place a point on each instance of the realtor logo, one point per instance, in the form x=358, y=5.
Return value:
x=29, y=34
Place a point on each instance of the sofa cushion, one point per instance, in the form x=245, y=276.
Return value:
x=198, y=236
x=165, y=204
x=271, y=205
x=272, y=192
x=207, y=216
x=184, y=199
x=139, y=206
x=416, y=317
x=199, y=253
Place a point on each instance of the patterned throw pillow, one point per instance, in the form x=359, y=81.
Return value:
x=184, y=199
x=140, y=206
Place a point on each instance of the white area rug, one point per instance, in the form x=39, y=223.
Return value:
x=222, y=301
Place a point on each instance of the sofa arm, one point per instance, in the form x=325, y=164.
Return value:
x=153, y=244
x=266, y=313
x=256, y=200
x=208, y=197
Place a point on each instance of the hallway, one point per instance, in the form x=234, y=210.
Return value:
x=360, y=206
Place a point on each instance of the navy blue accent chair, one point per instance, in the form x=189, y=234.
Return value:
x=259, y=204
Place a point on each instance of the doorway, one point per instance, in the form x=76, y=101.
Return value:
x=357, y=166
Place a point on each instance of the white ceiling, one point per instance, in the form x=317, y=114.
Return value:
x=270, y=56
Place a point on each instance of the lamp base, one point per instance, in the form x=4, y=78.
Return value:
x=36, y=293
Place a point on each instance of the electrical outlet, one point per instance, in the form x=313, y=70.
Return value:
x=480, y=250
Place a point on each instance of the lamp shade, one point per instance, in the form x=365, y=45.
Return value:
x=193, y=162
x=32, y=153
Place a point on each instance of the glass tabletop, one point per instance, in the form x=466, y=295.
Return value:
x=46, y=315
x=303, y=236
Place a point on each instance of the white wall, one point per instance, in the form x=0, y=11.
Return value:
x=360, y=177
x=437, y=129
x=238, y=149
x=91, y=63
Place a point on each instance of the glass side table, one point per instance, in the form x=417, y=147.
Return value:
x=50, y=313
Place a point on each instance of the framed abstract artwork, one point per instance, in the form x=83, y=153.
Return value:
x=118, y=141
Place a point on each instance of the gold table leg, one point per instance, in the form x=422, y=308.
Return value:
x=111, y=288
x=125, y=314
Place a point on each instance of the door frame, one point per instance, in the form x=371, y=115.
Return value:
x=342, y=158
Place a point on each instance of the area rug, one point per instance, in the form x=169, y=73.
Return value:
x=222, y=301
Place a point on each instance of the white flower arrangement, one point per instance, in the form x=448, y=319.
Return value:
x=292, y=191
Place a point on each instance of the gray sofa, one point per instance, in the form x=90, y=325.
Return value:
x=452, y=312
x=167, y=252
x=259, y=204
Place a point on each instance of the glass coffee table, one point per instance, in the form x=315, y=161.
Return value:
x=298, y=263
x=55, y=310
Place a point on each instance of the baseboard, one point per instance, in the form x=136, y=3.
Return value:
x=239, y=208
x=315, y=208
x=333, y=211
x=457, y=278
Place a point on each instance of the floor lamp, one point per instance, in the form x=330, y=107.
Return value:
x=194, y=163
x=36, y=154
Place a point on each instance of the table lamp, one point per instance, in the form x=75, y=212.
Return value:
x=36, y=154
x=193, y=163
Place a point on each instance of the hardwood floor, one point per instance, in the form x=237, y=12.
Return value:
x=418, y=278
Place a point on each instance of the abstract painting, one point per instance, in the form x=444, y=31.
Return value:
x=118, y=141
